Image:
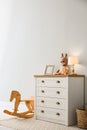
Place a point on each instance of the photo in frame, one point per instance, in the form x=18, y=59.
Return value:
x=49, y=70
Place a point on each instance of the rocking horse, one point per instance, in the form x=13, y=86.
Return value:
x=29, y=104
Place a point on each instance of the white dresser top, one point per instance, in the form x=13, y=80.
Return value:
x=53, y=76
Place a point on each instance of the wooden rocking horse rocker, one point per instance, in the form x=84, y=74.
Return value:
x=29, y=104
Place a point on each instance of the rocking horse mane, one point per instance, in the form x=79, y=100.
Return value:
x=14, y=95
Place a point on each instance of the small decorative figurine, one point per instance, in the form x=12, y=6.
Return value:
x=64, y=69
x=29, y=104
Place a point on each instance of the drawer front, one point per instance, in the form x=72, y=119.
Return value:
x=51, y=114
x=52, y=92
x=53, y=82
x=52, y=103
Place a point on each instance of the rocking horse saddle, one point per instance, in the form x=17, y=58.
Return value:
x=29, y=104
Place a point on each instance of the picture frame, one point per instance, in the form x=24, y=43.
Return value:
x=49, y=69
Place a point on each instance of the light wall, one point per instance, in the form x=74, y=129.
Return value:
x=34, y=33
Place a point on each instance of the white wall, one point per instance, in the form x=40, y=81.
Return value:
x=34, y=33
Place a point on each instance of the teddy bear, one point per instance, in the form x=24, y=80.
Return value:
x=64, y=68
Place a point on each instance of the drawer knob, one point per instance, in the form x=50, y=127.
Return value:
x=58, y=114
x=42, y=101
x=58, y=81
x=42, y=91
x=58, y=92
x=58, y=103
x=42, y=111
x=42, y=81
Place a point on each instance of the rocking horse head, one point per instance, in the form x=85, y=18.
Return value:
x=15, y=95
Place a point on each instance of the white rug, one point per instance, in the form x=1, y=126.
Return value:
x=9, y=106
x=32, y=124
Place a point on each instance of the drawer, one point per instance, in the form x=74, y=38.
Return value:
x=54, y=115
x=52, y=103
x=53, y=82
x=52, y=92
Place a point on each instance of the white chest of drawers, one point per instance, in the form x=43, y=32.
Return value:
x=57, y=97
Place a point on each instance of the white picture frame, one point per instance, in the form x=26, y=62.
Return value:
x=49, y=69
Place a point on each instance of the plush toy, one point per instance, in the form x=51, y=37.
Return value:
x=64, y=69
x=29, y=104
